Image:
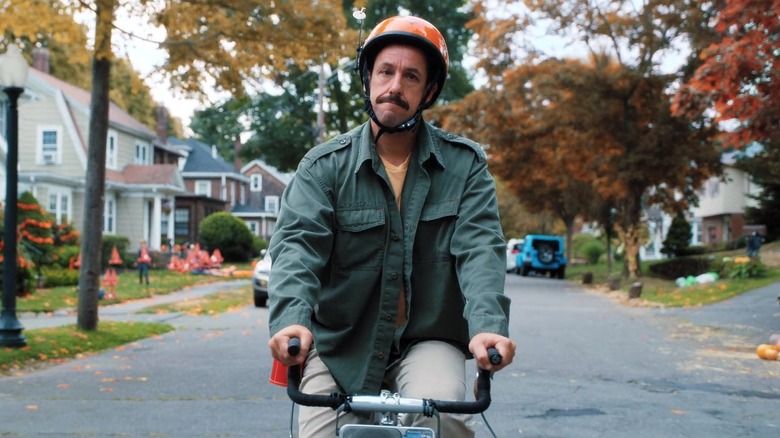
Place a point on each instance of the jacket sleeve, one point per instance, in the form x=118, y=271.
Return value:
x=480, y=252
x=299, y=247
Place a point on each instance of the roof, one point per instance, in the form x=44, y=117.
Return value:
x=80, y=98
x=284, y=178
x=165, y=174
x=200, y=158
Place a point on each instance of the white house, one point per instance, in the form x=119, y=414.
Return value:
x=53, y=135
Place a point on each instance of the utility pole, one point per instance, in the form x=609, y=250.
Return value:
x=321, y=104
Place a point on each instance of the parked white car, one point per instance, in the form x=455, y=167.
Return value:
x=512, y=248
x=260, y=280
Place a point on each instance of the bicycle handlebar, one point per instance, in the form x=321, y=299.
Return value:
x=383, y=403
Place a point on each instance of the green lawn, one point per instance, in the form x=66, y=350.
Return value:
x=59, y=344
x=666, y=293
x=162, y=281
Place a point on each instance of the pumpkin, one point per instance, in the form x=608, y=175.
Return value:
x=766, y=351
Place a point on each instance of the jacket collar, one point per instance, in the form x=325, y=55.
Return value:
x=427, y=146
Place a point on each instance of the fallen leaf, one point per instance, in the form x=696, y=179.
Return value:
x=31, y=407
x=63, y=385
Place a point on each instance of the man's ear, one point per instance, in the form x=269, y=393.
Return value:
x=431, y=93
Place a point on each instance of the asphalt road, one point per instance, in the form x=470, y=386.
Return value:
x=587, y=367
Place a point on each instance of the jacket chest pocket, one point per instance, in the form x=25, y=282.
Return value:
x=359, y=238
x=435, y=230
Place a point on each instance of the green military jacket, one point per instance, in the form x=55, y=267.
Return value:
x=341, y=251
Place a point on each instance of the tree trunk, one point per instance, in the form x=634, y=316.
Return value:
x=631, y=242
x=89, y=277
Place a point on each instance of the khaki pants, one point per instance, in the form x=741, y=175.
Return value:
x=431, y=369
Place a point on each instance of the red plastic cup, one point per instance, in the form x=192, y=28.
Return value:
x=278, y=374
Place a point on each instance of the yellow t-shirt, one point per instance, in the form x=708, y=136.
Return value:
x=397, y=175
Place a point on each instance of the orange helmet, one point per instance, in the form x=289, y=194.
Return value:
x=412, y=31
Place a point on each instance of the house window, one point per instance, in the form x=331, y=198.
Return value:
x=111, y=149
x=59, y=203
x=254, y=227
x=713, y=188
x=50, y=145
x=109, y=215
x=141, y=153
x=256, y=182
x=203, y=188
x=181, y=222
x=272, y=204
x=164, y=226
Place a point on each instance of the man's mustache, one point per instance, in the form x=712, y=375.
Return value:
x=392, y=98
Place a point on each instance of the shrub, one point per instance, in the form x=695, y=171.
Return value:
x=741, y=267
x=25, y=279
x=692, y=251
x=54, y=277
x=62, y=255
x=593, y=252
x=229, y=234
x=681, y=267
x=738, y=243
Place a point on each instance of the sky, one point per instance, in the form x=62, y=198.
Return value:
x=146, y=57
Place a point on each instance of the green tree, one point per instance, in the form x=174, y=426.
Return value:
x=678, y=238
x=220, y=125
x=284, y=126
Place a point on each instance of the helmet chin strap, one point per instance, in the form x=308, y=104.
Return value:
x=409, y=125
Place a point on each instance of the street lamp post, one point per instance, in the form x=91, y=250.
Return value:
x=13, y=72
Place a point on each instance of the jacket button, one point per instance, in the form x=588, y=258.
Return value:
x=380, y=355
x=343, y=141
x=388, y=317
x=393, y=276
x=396, y=237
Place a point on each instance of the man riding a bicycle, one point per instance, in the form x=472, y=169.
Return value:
x=388, y=255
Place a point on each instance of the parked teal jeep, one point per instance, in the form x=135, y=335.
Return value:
x=542, y=254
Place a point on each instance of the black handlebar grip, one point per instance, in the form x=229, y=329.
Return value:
x=294, y=347
x=494, y=355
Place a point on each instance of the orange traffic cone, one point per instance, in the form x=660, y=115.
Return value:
x=115, y=259
x=110, y=279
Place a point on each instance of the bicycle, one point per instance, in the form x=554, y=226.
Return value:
x=389, y=405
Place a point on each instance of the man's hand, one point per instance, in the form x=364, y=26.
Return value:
x=281, y=340
x=482, y=341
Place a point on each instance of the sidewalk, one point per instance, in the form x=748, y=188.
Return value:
x=127, y=311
